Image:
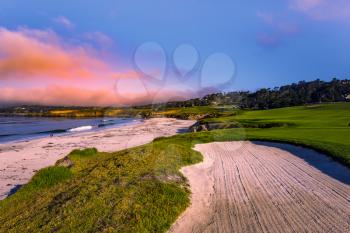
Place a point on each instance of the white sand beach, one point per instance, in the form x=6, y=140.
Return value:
x=265, y=187
x=20, y=160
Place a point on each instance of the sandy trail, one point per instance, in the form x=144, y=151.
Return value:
x=265, y=187
x=19, y=161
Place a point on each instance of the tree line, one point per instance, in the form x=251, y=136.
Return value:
x=300, y=93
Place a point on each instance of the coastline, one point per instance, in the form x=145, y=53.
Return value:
x=20, y=129
x=19, y=161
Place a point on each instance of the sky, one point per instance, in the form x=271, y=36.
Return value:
x=116, y=53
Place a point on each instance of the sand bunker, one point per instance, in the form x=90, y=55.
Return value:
x=265, y=187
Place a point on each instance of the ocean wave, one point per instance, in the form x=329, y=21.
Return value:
x=107, y=120
x=81, y=128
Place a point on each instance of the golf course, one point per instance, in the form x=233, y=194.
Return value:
x=175, y=116
x=142, y=189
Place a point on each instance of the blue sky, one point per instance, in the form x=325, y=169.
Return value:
x=271, y=42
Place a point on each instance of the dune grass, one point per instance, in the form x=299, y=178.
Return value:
x=141, y=189
x=136, y=190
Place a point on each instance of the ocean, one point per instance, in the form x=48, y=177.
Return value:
x=26, y=128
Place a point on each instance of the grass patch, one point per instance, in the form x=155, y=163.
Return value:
x=47, y=178
x=324, y=127
x=88, y=152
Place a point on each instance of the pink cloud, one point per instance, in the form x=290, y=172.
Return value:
x=72, y=96
x=57, y=95
x=277, y=29
x=33, y=53
x=65, y=22
x=37, y=67
x=323, y=9
x=268, y=40
x=126, y=75
x=51, y=71
x=305, y=5
x=100, y=38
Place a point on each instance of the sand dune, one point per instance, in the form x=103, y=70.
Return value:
x=265, y=187
x=19, y=161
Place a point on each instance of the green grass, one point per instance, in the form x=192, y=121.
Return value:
x=141, y=189
x=47, y=177
x=324, y=127
x=196, y=112
x=136, y=190
x=323, y=115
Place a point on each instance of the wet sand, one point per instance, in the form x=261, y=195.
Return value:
x=20, y=160
x=265, y=187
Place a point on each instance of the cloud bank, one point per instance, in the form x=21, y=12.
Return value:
x=72, y=96
x=35, y=53
x=37, y=67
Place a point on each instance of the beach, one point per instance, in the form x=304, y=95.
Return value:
x=19, y=161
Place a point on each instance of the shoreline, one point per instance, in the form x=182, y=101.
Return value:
x=19, y=161
x=56, y=132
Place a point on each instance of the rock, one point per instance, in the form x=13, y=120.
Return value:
x=197, y=127
x=65, y=162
